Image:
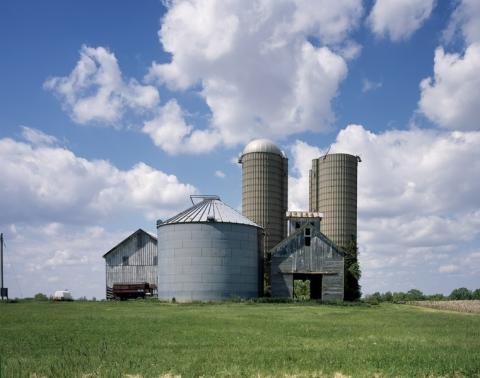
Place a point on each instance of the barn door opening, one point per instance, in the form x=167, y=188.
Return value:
x=316, y=286
x=307, y=286
x=301, y=288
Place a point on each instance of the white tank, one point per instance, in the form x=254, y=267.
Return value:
x=62, y=295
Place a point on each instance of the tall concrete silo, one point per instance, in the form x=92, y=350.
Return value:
x=265, y=189
x=209, y=252
x=333, y=191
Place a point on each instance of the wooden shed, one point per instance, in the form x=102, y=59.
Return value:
x=133, y=260
x=307, y=254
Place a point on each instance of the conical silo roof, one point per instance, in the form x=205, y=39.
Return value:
x=209, y=209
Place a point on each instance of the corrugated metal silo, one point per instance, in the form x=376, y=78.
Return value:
x=333, y=191
x=265, y=188
x=209, y=252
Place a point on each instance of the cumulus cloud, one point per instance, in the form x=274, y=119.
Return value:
x=95, y=90
x=54, y=256
x=450, y=98
x=255, y=65
x=399, y=19
x=465, y=21
x=52, y=184
x=169, y=131
x=302, y=155
x=418, y=202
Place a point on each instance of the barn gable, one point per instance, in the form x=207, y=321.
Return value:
x=308, y=254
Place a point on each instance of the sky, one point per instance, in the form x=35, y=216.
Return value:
x=114, y=112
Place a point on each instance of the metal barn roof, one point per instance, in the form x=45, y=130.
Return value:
x=139, y=231
x=209, y=209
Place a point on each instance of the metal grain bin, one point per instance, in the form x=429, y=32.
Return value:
x=333, y=191
x=209, y=252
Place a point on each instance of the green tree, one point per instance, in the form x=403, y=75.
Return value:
x=415, y=295
x=399, y=296
x=352, y=272
x=476, y=294
x=461, y=293
x=40, y=297
x=387, y=297
x=435, y=297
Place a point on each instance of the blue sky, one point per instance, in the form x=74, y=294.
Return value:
x=114, y=112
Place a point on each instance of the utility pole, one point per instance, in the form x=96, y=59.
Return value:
x=3, y=290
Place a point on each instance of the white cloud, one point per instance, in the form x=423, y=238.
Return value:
x=52, y=184
x=399, y=19
x=37, y=137
x=255, y=67
x=418, y=202
x=220, y=174
x=96, y=92
x=170, y=132
x=368, y=85
x=450, y=98
x=48, y=257
x=450, y=268
x=302, y=155
x=465, y=20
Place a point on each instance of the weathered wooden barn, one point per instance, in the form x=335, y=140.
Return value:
x=133, y=260
x=307, y=254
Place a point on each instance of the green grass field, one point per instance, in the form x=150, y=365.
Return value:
x=149, y=339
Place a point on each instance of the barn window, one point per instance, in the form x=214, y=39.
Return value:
x=125, y=260
x=297, y=224
x=307, y=231
x=155, y=260
x=307, y=241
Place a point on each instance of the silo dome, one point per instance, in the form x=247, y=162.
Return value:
x=209, y=252
x=262, y=145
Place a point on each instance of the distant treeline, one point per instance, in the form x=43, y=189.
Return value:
x=461, y=293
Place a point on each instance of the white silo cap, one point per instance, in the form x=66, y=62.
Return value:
x=262, y=145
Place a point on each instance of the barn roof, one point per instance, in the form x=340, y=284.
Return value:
x=131, y=236
x=315, y=232
x=209, y=209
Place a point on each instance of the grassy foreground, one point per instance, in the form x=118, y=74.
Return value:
x=115, y=339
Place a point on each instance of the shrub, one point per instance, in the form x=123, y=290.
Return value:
x=40, y=297
x=352, y=272
x=301, y=289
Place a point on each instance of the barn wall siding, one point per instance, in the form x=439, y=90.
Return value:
x=141, y=250
x=292, y=256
